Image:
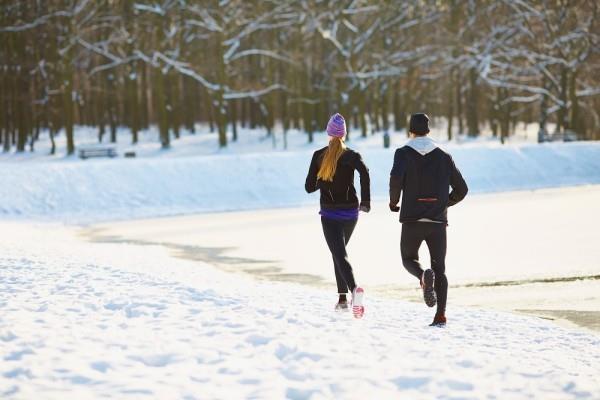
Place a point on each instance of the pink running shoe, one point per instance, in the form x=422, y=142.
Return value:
x=357, y=302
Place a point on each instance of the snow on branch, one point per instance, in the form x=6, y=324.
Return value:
x=98, y=50
x=360, y=10
x=526, y=88
x=154, y=8
x=178, y=66
x=208, y=22
x=588, y=92
x=392, y=71
x=327, y=34
x=254, y=93
x=266, y=53
x=45, y=18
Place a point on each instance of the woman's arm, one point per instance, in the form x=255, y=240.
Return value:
x=365, y=183
x=311, y=179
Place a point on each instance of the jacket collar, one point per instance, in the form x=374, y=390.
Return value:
x=422, y=144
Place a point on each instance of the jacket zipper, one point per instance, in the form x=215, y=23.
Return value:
x=347, y=189
x=330, y=195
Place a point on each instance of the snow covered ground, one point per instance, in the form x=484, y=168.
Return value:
x=99, y=320
x=125, y=319
x=524, y=251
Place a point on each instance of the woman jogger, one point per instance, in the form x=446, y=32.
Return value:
x=332, y=172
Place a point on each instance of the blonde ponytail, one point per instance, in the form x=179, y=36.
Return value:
x=330, y=158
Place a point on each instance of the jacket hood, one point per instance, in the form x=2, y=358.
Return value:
x=422, y=144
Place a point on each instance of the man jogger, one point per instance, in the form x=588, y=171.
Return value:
x=425, y=173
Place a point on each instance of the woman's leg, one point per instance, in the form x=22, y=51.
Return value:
x=335, y=237
x=339, y=279
x=348, y=229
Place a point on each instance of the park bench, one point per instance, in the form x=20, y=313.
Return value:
x=97, y=152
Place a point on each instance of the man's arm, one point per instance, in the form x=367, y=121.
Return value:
x=311, y=178
x=458, y=184
x=397, y=179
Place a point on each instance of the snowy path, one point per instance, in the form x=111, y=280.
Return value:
x=524, y=237
x=83, y=320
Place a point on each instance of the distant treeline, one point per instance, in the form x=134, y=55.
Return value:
x=232, y=63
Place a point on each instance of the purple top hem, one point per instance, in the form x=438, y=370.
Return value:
x=340, y=214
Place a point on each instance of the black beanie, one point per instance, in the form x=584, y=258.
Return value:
x=419, y=124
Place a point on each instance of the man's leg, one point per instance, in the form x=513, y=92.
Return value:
x=436, y=242
x=410, y=241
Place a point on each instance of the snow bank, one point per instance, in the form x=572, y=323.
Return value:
x=124, y=188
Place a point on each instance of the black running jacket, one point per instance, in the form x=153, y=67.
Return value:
x=340, y=193
x=426, y=181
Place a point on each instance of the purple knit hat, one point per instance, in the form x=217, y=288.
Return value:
x=336, y=126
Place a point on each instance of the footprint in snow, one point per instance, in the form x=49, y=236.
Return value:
x=299, y=394
x=17, y=355
x=100, y=366
x=258, y=340
x=8, y=337
x=458, y=385
x=410, y=382
x=17, y=372
x=157, y=360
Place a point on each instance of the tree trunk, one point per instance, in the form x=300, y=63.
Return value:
x=221, y=103
x=459, y=107
x=134, y=114
x=161, y=109
x=473, y=101
x=576, y=123
x=543, y=132
x=450, y=117
x=68, y=106
x=362, y=111
x=52, y=142
x=233, y=117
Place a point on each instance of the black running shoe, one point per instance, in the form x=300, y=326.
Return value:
x=427, y=282
x=439, y=320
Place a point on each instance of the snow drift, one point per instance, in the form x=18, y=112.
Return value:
x=73, y=191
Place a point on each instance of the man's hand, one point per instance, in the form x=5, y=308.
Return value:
x=394, y=208
x=365, y=206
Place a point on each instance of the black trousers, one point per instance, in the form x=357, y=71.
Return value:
x=337, y=234
x=434, y=235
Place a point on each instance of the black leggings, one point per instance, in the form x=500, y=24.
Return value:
x=337, y=234
x=434, y=235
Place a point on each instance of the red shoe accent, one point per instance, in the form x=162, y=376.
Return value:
x=439, y=320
